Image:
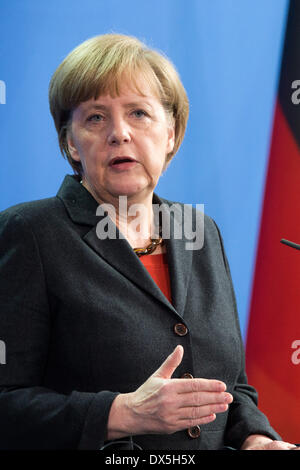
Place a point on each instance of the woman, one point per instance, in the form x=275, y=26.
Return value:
x=109, y=337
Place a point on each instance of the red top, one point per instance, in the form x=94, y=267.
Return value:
x=157, y=266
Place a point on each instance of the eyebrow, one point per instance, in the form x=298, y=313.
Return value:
x=134, y=104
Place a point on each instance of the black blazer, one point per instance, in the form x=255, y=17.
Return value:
x=82, y=321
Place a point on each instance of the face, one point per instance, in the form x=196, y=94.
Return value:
x=121, y=142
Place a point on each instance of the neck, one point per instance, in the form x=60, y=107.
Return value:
x=135, y=219
x=133, y=215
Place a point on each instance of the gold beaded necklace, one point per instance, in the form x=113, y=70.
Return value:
x=150, y=248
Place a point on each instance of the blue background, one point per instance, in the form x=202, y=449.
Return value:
x=228, y=55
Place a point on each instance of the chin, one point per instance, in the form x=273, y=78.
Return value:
x=128, y=190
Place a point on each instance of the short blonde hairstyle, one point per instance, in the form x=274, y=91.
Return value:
x=98, y=66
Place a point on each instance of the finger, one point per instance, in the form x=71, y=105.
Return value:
x=281, y=445
x=168, y=367
x=197, y=385
x=202, y=398
x=190, y=422
x=199, y=412
x=273, y=445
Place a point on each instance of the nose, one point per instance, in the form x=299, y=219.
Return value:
x=119, y=132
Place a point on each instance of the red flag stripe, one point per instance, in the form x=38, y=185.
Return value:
x=274, y=322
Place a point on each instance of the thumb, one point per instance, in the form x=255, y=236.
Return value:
x=168, y=367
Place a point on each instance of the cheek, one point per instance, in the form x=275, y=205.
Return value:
x=153, y=151
x=156, y=140
x=90, y=150
x=78, y=142
x=84, y=139
x=160, y=149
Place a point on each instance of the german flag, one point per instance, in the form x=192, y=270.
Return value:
x=273, y=337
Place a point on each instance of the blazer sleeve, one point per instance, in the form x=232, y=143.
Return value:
x=33, y=416
x=244, y=416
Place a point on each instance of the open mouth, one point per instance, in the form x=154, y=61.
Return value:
x=122, y=163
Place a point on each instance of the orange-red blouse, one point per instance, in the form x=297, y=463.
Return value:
x=157, y=266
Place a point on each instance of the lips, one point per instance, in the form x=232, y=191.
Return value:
x=121, y=160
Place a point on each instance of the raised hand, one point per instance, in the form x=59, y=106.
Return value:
x=163, y=405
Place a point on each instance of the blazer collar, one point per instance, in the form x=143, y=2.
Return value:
x=79, y=203
x=81, y=207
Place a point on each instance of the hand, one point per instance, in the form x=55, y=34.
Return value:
x=163, y=405
x=259, y=442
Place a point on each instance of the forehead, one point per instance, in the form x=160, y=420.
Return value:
x=127, y=94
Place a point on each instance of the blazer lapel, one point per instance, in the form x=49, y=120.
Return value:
x=119, y=254
x=82, y=207
x=178, y=256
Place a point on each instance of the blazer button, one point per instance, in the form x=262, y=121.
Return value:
x=180, y=329
x=187, y=376
x=194, y=432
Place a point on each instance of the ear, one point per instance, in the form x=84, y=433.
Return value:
x=171, y=138
x=72, y=146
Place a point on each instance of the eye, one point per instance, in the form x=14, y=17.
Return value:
x=95, y=118
x=139, y=113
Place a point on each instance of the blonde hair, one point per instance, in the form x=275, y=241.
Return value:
x=98, y=66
